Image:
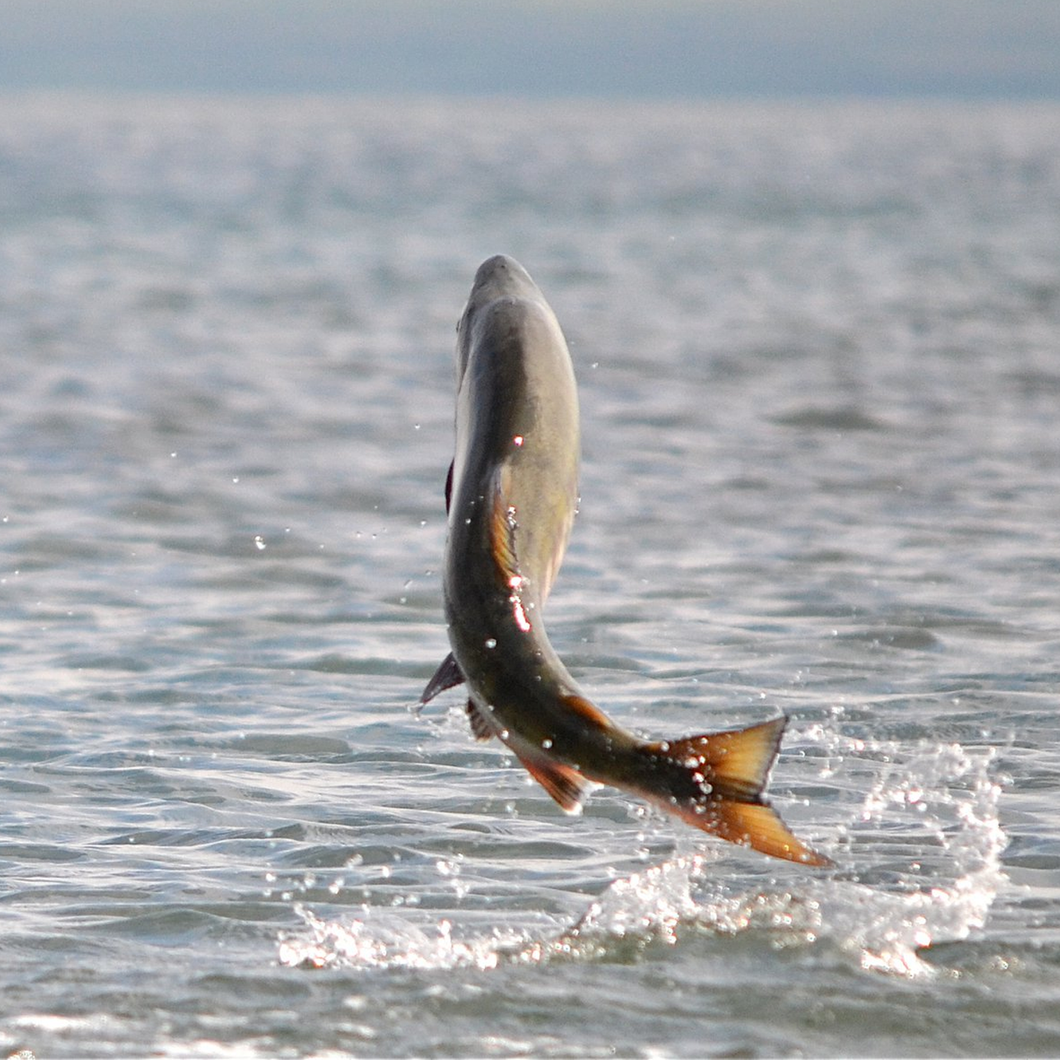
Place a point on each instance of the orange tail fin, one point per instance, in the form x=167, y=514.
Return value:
x=716, y=783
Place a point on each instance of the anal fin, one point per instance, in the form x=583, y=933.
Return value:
x=564, y=783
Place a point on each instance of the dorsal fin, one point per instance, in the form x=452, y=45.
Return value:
x=448, y=675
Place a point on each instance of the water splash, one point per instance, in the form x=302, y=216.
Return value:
x=652, y=905
x=384, y=940
x=941, y=800
x=925, y=838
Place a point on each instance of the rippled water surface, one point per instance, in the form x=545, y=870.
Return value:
x=819, y=367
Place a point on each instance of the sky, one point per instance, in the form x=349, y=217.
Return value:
x=961, y=49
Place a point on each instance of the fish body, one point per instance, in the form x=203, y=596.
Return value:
x=512, y=495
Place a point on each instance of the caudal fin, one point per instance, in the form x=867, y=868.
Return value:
x=716, y=781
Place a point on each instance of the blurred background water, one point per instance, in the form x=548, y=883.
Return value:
x=819, y=371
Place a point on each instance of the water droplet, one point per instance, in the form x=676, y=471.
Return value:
x=546, y=744
x=491, y=643
x=259, y=542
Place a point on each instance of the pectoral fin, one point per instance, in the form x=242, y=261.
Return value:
x=480, y=727
x=447, y=675
x=502, y=534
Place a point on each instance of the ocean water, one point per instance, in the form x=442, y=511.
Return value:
x=818, y=351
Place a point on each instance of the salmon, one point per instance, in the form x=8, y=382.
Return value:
x=511, y=497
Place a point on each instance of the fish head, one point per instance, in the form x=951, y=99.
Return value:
x=498, y=278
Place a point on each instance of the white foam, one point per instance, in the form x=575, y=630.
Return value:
x=383, y=939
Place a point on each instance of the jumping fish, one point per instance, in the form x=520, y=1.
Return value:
x=511, y=497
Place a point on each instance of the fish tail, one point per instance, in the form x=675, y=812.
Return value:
x=716, y=781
